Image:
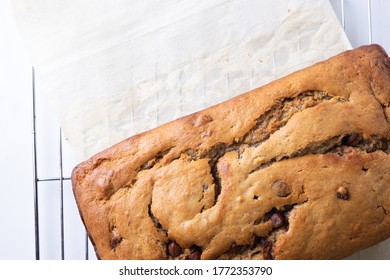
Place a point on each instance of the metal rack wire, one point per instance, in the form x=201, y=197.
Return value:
x=340, y=8
x=38, y=180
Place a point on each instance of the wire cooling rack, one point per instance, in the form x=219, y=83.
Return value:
x=364, y=22
x=61, y=181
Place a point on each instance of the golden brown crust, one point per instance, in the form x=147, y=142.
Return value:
x=296, y=169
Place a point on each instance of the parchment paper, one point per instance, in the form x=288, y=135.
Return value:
x=116, y=68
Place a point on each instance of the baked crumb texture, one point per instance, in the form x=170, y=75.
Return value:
x=296, y=169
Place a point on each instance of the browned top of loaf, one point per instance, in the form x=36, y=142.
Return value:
x=296, y=169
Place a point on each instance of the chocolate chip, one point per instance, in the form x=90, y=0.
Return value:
x=350, y=139
x=288, y=208
x=235, y=249
x=267, y=249
x=195, y=253
x=277, y=220
x=281, y=188
x=342, y=193
x=115, y=240
x=174, y=249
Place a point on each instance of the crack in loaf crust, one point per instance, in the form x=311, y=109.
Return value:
x=296, y=169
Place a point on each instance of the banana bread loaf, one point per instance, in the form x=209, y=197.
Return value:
x=296, y=169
